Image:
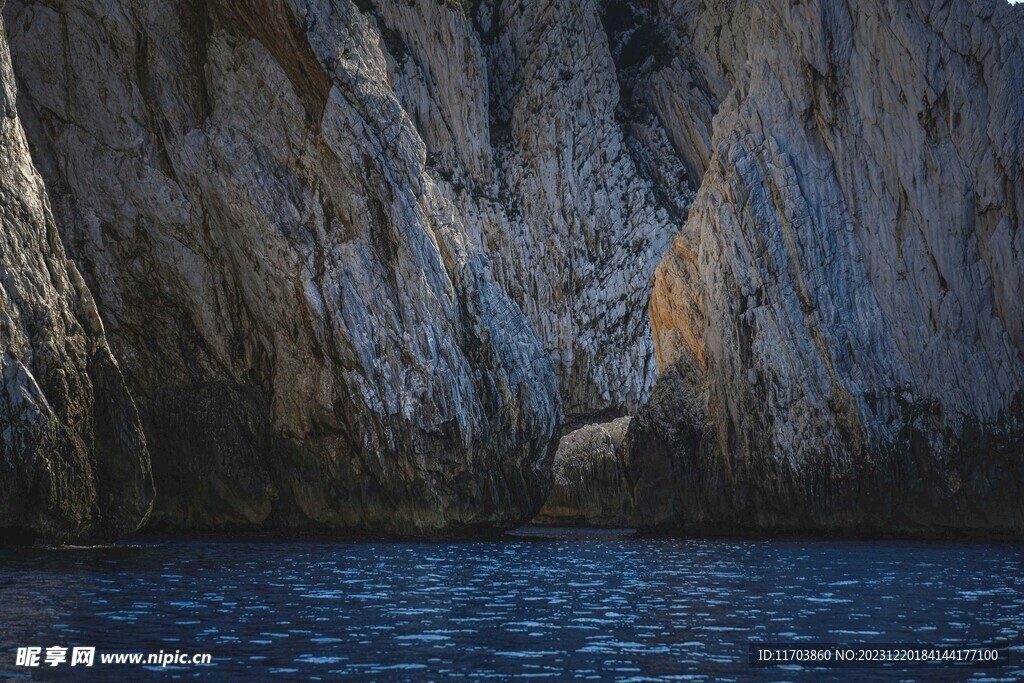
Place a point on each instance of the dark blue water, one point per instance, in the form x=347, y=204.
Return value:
x=547, y=603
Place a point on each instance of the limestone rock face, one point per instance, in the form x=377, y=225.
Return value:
x=73, y=459
x=591, y=186
x=590, y=484
x=357, y=259
x=355, y=256
x=839, y=328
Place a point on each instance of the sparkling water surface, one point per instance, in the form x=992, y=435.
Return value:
x=540, y=603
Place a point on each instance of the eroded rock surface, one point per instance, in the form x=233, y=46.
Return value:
x=838, y=327
x=73, y=459
x=355, y=257
x=590, y=484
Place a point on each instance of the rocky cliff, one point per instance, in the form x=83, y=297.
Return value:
x=590, y=483
x=73, y=459
x=838, y=327
x=355, y=257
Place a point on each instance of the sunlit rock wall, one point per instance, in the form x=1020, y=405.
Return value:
x=356, y=257
x=838, y=327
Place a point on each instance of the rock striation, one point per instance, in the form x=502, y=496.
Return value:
x=355, y=257
x=838, y=327
x=358, y=259
x=590, y=484
x=73, y=458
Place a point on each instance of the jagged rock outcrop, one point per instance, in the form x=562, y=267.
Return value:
x=311, y=229
x=357, y=258
x=839, y=328
x=313, y=334
x=590, y=484
x=73, y=459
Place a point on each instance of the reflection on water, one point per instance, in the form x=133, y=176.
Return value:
x=542, y=603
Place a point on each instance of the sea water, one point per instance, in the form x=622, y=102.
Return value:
x=540, y=603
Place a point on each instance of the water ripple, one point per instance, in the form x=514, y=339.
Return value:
x=541, y=604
